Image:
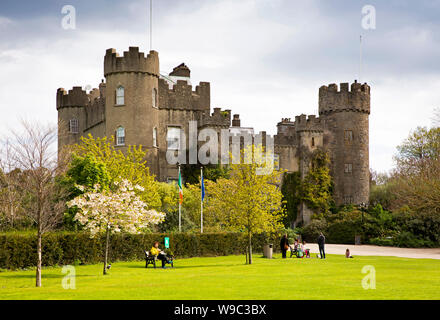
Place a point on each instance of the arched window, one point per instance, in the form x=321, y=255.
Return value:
x=120, y=96
x=120, y=136
x=73, y=126
x=154, y=97
x=154, y=137
x=173, y=138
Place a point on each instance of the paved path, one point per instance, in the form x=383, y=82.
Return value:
x=367, y=250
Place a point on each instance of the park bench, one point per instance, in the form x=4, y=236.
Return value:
x=150, y=259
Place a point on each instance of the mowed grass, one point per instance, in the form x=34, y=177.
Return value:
x=229, y=278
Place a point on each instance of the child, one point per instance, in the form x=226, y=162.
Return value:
x=347, y=253
x=305, y=250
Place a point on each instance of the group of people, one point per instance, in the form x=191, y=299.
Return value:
x=300, y=248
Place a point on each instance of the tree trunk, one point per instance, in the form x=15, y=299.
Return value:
x=12, y=214
x=38, y=274
x=246, y=253
x=250, y=248
x=107, y=240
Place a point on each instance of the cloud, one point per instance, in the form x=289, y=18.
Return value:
x=265, y=59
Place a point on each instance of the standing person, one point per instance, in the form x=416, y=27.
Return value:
x=321, y=244
x=284, y=245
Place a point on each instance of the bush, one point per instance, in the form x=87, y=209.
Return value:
x=404, y=240
x=19, y=250
x=382, y=242
x=342, y=232
x=311, y=232
x=408, y=240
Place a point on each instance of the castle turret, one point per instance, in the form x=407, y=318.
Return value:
x=70, y=106
x=132, y=107
x=345, y=116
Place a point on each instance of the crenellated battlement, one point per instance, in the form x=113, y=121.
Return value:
x=182, y=97
x=131, y=61
x=76, y=97
x=308, y=123
x=217, y=118
x=345, y=98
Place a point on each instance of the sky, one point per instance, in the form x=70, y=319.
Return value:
x=265, y=59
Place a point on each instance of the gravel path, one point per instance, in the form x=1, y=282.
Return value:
x=367, y=250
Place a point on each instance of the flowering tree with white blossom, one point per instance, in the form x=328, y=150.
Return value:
x=115, y=209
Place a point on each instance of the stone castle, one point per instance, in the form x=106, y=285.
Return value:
x=139, y=106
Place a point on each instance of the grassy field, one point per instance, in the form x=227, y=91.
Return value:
x=229, y=278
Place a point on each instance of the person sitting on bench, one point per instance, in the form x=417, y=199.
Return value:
x=155, y=251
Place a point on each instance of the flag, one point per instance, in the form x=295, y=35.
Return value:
x=202, y=185
x=180, y=188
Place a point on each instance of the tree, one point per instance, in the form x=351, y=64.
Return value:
x=115, y=209
x=191, y=172
x=417, y=173
x=169, y=193
x=130, y=165
x=34, y=153
x=250, y=200
x=10, y=195
x=85, y=171
x=419, y=150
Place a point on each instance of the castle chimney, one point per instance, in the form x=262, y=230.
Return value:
x=181, y=71
x=236, y=120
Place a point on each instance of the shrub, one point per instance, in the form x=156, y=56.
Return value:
x=61, y=248
x=311, y=232
x=382, y=242
x=408, y=240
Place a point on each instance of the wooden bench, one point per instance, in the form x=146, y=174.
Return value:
x=150, y=259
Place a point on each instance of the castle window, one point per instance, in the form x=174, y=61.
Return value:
x=120, y=136
x=276, y=161
x=154, y=137
x=173, y=138
x=73, y=126
x=348, y=136
x=120, y=95
x=154, y=97
x=313, y=142
x=348, y=168
x=348, y=200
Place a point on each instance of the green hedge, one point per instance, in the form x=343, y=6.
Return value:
x=19, y=250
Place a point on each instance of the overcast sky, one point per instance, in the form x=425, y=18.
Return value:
x=265, y=59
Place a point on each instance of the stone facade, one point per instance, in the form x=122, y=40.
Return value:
x=146, y=105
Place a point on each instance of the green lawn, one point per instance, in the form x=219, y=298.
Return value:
x=229, y=278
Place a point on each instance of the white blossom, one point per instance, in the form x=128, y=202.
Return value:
x=119, y=210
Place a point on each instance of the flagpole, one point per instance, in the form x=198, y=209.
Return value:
x=151, y=24
x=201, y=200
x=360, y=58
x=180, y=205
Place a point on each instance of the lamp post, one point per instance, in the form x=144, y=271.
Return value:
x=363, y=206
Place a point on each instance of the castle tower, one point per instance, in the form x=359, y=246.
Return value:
x=345, y=116
x=132, y=108
x=310, y=135
x=70, y=106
